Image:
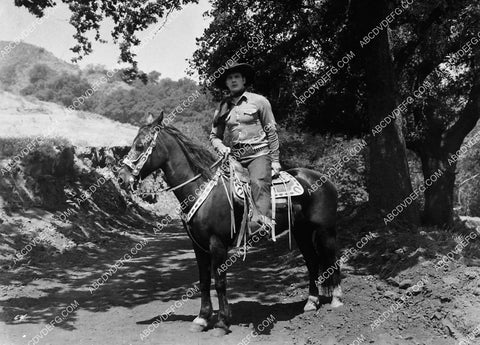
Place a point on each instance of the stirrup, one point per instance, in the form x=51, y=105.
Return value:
x=263, y=223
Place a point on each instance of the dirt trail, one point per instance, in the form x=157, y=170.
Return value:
x=271, y=282
x=144, y=287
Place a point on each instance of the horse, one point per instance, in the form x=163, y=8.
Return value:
x=187, y=166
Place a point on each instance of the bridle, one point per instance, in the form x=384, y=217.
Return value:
x=137, y=164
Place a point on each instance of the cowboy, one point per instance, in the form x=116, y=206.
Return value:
x=244, y=126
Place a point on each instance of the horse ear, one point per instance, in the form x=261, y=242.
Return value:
x=149, y=119
x=159, y=119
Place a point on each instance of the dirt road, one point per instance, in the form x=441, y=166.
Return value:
x=270, y=284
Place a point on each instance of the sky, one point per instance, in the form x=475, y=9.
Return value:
x=166, y=52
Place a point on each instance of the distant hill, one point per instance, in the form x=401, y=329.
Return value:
x=22, y=117
x=36, y=74
x=15, y=66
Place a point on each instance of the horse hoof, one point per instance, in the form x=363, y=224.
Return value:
x=336, y=302
x=219, y=332
x=196, y=328
x=198, y=325
x=311, y=304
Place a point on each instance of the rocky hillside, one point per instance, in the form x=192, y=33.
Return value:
x=23, y=117
x=62, y=196
x=15, y=66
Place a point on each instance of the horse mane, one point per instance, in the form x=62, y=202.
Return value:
x=198, y=156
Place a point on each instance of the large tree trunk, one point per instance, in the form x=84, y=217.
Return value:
x=438, y=149
x=439, y=161
x=438, y=208
x=389, y=180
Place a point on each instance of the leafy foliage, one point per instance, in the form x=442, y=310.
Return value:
x=129, y=103
x=133, y=105
x=321, y=153
x=468, y=183
x=300, y=42
x=128, y=17
x=8, y=75
x=64, y=88
x=292, y=55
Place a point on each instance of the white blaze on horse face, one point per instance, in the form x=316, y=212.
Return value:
x=139, y=146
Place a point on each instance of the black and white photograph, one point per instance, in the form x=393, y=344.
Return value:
x=215, y=172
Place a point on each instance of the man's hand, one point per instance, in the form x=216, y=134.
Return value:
x=276, y=167
x=223, y=150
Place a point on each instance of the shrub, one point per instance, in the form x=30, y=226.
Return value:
x=40, y=72
x=321, y=153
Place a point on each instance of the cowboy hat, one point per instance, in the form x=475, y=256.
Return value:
x=244, y=68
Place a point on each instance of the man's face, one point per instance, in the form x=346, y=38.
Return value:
x=235, y=82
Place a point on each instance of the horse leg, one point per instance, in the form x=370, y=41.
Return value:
x=204, y=268
x=325, y=242
x=303, y=237
x=219, y=256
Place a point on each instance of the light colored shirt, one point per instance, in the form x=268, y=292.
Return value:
x=250, y=121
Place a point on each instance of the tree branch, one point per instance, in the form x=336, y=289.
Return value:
x=408, y=50
x=468, y=119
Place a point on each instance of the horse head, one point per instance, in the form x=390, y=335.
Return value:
x=145, y=155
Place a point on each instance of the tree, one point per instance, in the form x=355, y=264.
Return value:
x=311, y=39
x=312, y=36
x=40, y=72
x=301, y=40
x=389, y=180
x=442, y=52
x=128, y=16
x=154, y=76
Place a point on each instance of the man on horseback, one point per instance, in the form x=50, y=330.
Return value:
x=244, y=126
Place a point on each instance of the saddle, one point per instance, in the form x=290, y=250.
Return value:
x=282, y=186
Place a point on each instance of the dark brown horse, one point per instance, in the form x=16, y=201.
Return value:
x=158, y=146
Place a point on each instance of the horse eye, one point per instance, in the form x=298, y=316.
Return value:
x=139, y=147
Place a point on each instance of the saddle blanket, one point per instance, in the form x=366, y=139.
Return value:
x=282, y=186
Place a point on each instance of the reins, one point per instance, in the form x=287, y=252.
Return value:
x=137, y=164
x=183, y=183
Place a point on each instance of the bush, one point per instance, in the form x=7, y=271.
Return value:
x=63, y=89
x=10, y=147
x=468, y=183
x=40, y=72
x=321, y=153
x=8, y=76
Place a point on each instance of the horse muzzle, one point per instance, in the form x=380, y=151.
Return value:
x=126, y=180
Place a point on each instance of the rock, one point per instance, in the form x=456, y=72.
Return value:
x=390, y=294
x=470, y=274
x=451, y=280
x=404, y=284
x=392, y=281
x=415, y=291
x=445, y=298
